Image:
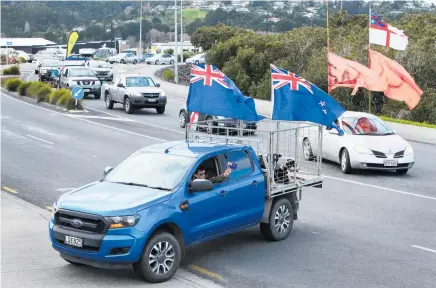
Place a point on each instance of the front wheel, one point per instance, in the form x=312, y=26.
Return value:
x=281, y=220
x=128, y=105
x=160, y=259
x=172, y=62
x=160, y=110
x=182, y=119
x=109, y=102
x=345, y=162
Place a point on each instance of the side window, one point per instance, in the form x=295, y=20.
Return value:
x=65, y=73
x=210, y=166
x=242, y=160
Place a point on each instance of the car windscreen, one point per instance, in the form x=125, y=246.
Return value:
x=365, y=126
x=139, y=82
x=80, y=73
x=151, y=169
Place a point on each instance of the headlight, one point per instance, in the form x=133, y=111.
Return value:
x=122, y=221
x=362, y=149
x=54, y=210
x=408, y=150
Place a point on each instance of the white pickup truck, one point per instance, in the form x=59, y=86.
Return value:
x=134, y=91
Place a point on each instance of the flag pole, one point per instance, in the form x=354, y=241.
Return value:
x=369, y=61
x=328, y=45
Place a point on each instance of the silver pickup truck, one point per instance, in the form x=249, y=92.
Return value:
x=134, y=91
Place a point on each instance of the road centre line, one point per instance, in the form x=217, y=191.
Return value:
x=48, y=142
x=74, y=117
x=379, y=187
x=162, y=140
x=104, y=118
x=9, y=189
x=145, y=123
x=423, y=248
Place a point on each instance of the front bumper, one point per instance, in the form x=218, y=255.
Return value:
x=120, y=246
x=144, y=102
x=89, y=89
x=366, y=161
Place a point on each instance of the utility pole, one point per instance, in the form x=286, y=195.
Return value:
x=181, y=30
x=140, y=31
x=176, y=70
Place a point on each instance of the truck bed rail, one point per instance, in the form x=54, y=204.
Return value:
x=284, y=149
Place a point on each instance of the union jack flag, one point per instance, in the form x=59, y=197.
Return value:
x=208, y=74
x=281, y=78
x=377, y=22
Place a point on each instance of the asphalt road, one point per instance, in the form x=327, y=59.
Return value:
x=362, y=230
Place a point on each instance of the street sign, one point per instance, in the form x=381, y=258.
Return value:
x=77, y=93
x=9, y=43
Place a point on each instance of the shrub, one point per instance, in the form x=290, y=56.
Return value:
x=169, y=51
x=14, y=70
x=43, y=93
x=22, y=60
x=12, y=84
x=168, y=75
x=56, y=94
x=34, y=86
x=6, y=71
x=23, y=87
x=66, y=100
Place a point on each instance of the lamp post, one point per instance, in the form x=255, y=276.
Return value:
x=140, y=30
x=181, y=30
x=176, y=70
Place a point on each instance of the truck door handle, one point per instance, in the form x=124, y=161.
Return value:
x=223, y=192
x=254, y=183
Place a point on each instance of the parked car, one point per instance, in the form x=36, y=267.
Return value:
x=102, y=70
x=197, y=59
x=213, y=121
x=143, y=57
x=123, y=58
x=46, y=67
x=368, y=143
x=79, y=76
x=161, y=59
x=135, y=91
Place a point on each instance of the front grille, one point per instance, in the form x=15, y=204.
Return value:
x=399, y=154
x=379, y=154
x=84, y=247
x=86, y=82
x=150, y=95
x=90, y=223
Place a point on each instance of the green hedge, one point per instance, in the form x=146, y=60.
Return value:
x=23, y=88
x=168, y=75
x=13, y=70
x=12, y=84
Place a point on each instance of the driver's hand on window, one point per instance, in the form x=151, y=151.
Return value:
x=227, y=172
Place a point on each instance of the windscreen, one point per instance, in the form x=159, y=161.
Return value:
x=151, y=169
x=365, y=126
x=139, y=82
x=80, y=72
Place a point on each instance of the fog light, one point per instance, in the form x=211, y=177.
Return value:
x=363, y=164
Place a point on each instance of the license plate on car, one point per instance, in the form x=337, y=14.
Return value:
x=74, y=241
x=86, y=90
x=152, y=100
x=391, y=163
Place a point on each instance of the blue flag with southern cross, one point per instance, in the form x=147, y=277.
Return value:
x=212, y=92
x=296, y=99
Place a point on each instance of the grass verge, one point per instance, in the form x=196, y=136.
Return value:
x=407, y=122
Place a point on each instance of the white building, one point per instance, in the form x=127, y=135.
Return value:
x=187, y=47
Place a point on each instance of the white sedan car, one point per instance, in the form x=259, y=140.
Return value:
x=161, y=59
x=368, y=143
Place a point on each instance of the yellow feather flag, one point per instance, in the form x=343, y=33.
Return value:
x=72, y=38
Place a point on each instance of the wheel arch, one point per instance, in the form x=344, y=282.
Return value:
x=269, y=203
x=174, y=230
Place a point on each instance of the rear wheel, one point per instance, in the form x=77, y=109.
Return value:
x=307, y=150
x=182, y=119
x=172, y=62
x=345, y=162
x=160, y=259
x=157, y=62
x=160, y=110
x=281, y=220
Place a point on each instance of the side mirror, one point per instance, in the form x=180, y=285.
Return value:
x=200, y=185
x=157, y=84
x=107, y=169
x=120, y=85
x=36, y=71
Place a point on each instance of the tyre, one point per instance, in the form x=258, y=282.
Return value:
x=160, y=110
x=197, y=62
x=160, y=259
x=345, y=162
x=122, y=61
x=307, y=150
x=281, y=220
x=98, y=95
x=128, y=105
x=172, y=62
x=134, y=62
x=182, y=119
x=210, y=124
x=157, y=62
x=402, y=171
x=109, y=102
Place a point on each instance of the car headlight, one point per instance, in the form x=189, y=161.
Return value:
x=122, y=221
x=408, y=150
x=362, y=149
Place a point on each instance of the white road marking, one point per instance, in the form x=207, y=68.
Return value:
x=64, y=189
x=423, y=248
x=74, y=117
x=104, y=118
x=379, y=187
x=30, y=75
x=162, y=140
x=142, y=122
x=40, y=139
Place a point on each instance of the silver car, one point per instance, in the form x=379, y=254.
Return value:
x=135, y=91
x=124, y=58
x=73, y=76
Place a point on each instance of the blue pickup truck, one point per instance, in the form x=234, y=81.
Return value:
x=146, y=211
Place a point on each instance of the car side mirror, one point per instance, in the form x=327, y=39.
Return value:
x=157, y=84
x=120, y=85
x=36, y=71
x=200, y=185
x=107, y=169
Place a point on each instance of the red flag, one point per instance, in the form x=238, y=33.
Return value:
x=401, y=86
x=351, y=74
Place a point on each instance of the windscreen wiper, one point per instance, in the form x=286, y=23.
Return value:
x=159, y=188
x=132, y=184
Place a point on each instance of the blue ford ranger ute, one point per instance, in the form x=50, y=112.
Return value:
x=148, y=209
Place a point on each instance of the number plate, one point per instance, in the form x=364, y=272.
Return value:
x=152, y=100
x=391, y=163
x=86, y=90
x=74, y=241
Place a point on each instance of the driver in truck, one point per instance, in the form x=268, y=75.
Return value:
x=201, y=174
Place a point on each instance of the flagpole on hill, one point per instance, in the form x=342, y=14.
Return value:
x=328, y=45
x=369, y=61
